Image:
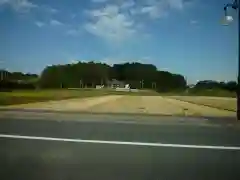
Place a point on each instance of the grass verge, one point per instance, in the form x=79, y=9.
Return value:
x=24, y=97
x=229, y=104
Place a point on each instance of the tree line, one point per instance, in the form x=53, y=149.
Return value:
x=17, y=76
x=89, y=74
x=209, y=84
x=17, y=80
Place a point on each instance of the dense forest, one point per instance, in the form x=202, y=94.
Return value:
x=17, y=76
x=209, y=84
x=17, y=80
x=90, y=74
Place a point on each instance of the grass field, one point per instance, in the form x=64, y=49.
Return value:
x=209, y=93
x=229, y=104
x=22, y=97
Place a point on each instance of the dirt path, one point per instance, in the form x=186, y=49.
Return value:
x=126, y=104
x=139, y=104
x=215, y=102
x=68, y=105
x=129, y=104
x=199, y=110
x=157, y=105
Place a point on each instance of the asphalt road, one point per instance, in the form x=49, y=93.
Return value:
x=67, y=146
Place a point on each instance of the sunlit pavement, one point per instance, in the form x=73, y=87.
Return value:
x=73, y=146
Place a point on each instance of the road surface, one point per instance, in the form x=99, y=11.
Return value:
x=82, y=146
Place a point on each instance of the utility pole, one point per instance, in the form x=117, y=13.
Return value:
x=1, y=71
x=238, y=82
x=141, y=84
x=228, y=19
x=1, y=75
x=154, y=85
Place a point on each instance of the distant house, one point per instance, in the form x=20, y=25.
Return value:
x=114, y=83
x=190, y=86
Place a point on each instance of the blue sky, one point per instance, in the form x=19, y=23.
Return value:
x=181, y=36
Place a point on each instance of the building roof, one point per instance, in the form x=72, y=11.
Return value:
x=115, y=81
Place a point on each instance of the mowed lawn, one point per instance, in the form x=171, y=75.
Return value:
x=23, y=97
x=224, y=103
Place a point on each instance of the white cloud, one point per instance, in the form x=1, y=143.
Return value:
x=51, y=10
x=113, y=60
x=147, y=35
x=74, y=61
x=54, y=22
x=153, y=11
x=26, y=5
x=157, y=9
x=110, y=10
x=3, y=1
x=110, y=24
x=116, y=60
x=96, y=13
x=147, y=58
x=39, y=24
x=19, y=5
x=152, y=8
x=135, y=11
x=119, y=20
x=193, y=22
x=73, y=15
x=73, y=32
x=99, y=1
x=128, y=4
x=176, y=4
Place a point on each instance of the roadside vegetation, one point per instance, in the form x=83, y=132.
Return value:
x=30, y=96
x=229, y=104
x=205, y=92
x=209, y=93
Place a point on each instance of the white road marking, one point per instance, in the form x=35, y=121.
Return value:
x=119, y=142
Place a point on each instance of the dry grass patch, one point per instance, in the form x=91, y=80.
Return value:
x=229, y=104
